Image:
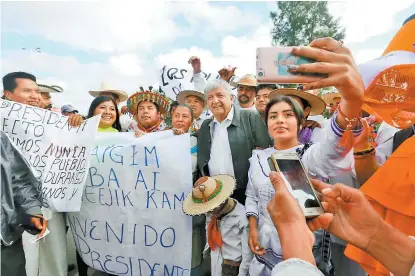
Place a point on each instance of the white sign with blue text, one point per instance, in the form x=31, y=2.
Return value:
x=131, y=220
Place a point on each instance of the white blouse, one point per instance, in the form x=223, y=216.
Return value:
x=322, y=160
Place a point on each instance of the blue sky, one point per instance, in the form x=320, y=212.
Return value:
x=127, y=42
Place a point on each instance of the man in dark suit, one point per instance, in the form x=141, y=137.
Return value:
x=225, y=142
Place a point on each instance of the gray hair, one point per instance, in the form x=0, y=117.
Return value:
x=214, y=84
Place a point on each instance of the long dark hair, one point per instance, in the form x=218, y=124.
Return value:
x=99, y=100
x=298, y=111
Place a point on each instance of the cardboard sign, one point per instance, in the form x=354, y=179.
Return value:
x=58, y=153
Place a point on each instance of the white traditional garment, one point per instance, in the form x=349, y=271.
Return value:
x=322, y=160
x=125, y=122
x=234, y=230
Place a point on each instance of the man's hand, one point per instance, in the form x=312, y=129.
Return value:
x=296, y=239
x=196, y=64
x=37, y=222
x=350, y=216
x=226, y=74
x=178, y=131
x=75, y=120
x=139, y=133
x=253, y=240
x=312, y=124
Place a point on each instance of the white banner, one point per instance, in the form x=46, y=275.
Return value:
x=173, y=80
x=131, y=220
x=59, y=154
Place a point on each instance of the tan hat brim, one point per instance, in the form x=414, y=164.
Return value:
x=122, y=95
x=50, y=89
x=317, y=104
x=194, y=209
x=329, y=97
x=181, y=97
x=247, y=84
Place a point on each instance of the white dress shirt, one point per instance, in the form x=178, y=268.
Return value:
x=220, y=152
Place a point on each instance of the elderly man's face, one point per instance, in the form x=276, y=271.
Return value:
x=219, y=102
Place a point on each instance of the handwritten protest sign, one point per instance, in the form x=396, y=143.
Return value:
x=173, y=80
x=131, y=220
x=58, y=153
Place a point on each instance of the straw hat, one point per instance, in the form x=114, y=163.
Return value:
x=181, y=97
x=105, y=87
x=248, y=80
x=208, y=193
x=50, y=88
x=329, y=96
x=317, y=104
x=154, y=97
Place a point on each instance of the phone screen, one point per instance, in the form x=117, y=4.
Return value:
x=296, y=177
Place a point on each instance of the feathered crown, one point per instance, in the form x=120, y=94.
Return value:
x=148, y=95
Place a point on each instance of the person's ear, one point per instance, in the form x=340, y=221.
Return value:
x=307, y=111
x=6, y=94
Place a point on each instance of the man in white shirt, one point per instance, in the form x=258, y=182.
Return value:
x=226, y=141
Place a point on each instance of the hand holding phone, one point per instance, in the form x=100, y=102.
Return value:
x=40, y=224
x=34, y=225
x=274, y=64
x=294, y=174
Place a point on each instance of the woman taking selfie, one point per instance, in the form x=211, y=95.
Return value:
x=322, y=160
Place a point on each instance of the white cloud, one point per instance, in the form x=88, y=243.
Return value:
x=364, y=19
x=119, y=26
x=361, y=56
x=128, y=64
x=216, y=19
x=235, y=51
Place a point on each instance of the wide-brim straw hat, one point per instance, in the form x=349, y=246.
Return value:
x=329, y=97
x=181, y=97
x=317, y=104
x=218, y=189
x=106, y=87
x=248, y=80
x=154, y=97
x=50, y=88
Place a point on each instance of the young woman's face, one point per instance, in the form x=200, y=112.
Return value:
x=108, y=114
x=282, y=123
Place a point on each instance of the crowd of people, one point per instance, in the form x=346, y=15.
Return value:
x=245, y=219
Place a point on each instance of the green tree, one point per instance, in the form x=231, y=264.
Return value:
x=299, y=22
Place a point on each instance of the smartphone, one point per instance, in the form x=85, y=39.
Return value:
x=290, y=165
x=272, y=66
